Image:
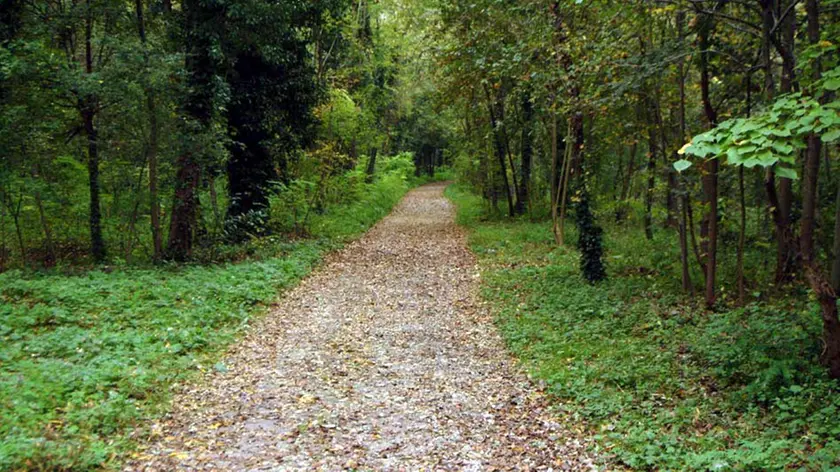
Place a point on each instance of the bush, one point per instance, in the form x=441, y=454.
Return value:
x=338, y=205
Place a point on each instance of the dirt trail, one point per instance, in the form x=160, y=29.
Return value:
x=380, y=360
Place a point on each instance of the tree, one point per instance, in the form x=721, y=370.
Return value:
x=203, y=20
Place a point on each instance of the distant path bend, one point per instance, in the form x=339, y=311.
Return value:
x=380, y=360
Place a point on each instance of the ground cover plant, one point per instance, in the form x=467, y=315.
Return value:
x=86, y=357
x=662, y=383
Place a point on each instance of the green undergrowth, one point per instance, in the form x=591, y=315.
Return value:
x=86, y=358
x=662, y=384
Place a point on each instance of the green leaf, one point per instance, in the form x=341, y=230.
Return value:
x=831, y=136
x=733, y=156
x=750, y=163
x=782, y=148
x=766, y=158
x=786, y=172
x=682, y=165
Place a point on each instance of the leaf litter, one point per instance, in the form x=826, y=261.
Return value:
x=382, y=359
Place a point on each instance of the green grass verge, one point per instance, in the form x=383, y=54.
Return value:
x=85, y=359
x=663, y=385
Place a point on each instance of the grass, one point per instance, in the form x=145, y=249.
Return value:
x=662, y=384
x=87, y=358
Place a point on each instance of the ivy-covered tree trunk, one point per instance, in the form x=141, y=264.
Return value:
x=251, y=167
x=197, y=110
x=590, y=240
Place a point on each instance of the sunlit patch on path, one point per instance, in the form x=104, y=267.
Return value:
x=381, y=360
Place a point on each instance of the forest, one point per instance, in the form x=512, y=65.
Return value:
x=650, y=190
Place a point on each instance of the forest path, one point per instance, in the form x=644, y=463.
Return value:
x=380, y=360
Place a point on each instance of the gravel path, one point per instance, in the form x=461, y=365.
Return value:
x=380, y=360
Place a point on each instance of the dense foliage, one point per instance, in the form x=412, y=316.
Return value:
x=701, y=137
x=559, y=103
x=151, y=130
x=660, y=384
x=693, y=143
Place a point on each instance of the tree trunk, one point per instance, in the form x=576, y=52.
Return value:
x=19, y=232
x=154, y=200
x=87, y=109
x=152, y=146
x=555, y=162
x=182, y=224
x=670, y=197
x=835, y=266
x=786, y=253
x=651, y=180
x=670, y=202
x=214, y=205
x=500, y=119
x=14, y=210
x=621, y=211
x=742, y=237
x=687, y=286
x=4, y=252
x=132, y=222
x=559, y=217
x=767, y=23
x=742, y=200
x=781, y=200
x=371, y=167
x=49, y=258
x=709, y=225
x=250, y=168
x=813, y=153
x=500, y=151
x=97, y=244
x=827, y=298
x=197, y=108
x=526, y=153
x=821, y=287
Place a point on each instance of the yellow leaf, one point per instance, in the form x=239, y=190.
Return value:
x=306, y=399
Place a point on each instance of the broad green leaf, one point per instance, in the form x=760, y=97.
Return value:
x=782, y=147
x=682, y=165
x=786, y=172
x=750, y=163
x=733, y=156
x=831, y=136
x=766, y=158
